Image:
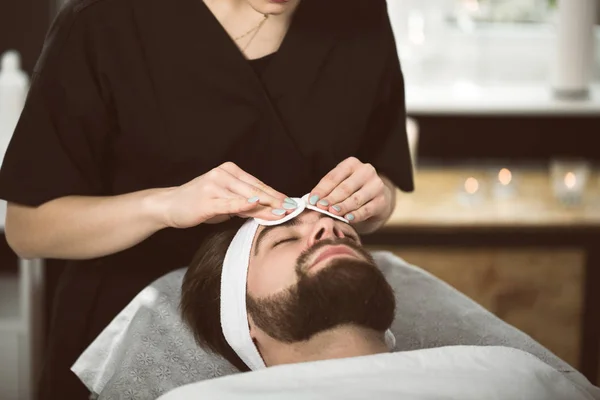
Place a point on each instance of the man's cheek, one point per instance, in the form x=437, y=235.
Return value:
x=284, y=274
x=272, y=280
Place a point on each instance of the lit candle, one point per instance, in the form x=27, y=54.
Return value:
x=470, y=192
x=568, y=192
x=504, y=185
x=569, y=180
x=471, y=186
x=505, y=176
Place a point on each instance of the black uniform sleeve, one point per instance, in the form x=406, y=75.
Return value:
x=386, y=143
x=58, y=146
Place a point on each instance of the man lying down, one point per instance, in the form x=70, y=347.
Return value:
x=303, y=306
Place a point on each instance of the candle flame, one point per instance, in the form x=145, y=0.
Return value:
x=505, y=176
x=471, y=185
x=570, y=180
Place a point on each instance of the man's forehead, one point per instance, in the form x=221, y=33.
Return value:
x=307, y=217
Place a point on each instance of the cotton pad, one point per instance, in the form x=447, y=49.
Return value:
x=303, y=204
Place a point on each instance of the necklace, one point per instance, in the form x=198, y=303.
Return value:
x=255, y=29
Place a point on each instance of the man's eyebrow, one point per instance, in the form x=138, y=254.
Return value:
x=269, y=229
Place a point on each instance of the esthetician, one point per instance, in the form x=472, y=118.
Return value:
x=148, y=121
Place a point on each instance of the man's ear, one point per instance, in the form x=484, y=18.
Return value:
x=252, y=328
x=254, y=332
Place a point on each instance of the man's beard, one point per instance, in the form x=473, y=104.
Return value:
x=348, y=291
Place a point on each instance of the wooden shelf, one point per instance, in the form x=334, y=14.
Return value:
x=435, y=202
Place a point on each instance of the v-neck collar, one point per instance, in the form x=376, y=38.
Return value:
x=196, y=34
x=309, y=37
x=186, y=46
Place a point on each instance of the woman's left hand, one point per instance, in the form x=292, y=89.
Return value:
x=356, y=192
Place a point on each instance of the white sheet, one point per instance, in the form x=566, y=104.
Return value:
x=449, y=373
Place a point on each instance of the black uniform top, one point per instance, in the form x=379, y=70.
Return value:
x=261, y=64
x=136, y=94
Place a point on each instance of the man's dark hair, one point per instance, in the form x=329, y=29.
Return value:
x=201, y=293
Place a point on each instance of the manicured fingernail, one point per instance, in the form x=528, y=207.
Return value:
x=253, y=199
x=289, y=206
x=313, y=199
x=349, y=217
x=278, y=211
x=290, y=201
x=324, y=203
x=337, y=208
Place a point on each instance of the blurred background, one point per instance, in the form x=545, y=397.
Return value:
x=503, y=99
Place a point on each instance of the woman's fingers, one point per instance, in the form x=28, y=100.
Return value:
x=242, y=175
x=261, y=213
x=366, y=211
x=361, y=204
x=251, y=193
x=332, y=180
x=216, y=196
x=348, y=194
x=235, y=205
x=246, y=185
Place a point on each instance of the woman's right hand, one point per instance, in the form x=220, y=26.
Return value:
x=221, y=193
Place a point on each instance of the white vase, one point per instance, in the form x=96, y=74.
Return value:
x=574, y=57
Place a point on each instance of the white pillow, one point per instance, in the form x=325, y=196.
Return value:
x=147, y=349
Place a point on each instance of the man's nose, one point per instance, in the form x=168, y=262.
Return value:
x=324, y=228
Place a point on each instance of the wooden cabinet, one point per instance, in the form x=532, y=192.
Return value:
x=539, y=291
x=530, y=260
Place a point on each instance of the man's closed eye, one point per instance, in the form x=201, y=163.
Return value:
x=289, y=239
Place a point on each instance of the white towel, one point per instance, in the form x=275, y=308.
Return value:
x=234, y=317
x=449, y=373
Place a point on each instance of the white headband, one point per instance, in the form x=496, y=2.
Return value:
x=234, y=277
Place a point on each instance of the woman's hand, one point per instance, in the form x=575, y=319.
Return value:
x=355, y=191
x=221, y=193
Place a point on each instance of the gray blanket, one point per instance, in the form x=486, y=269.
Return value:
x=147, y=350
